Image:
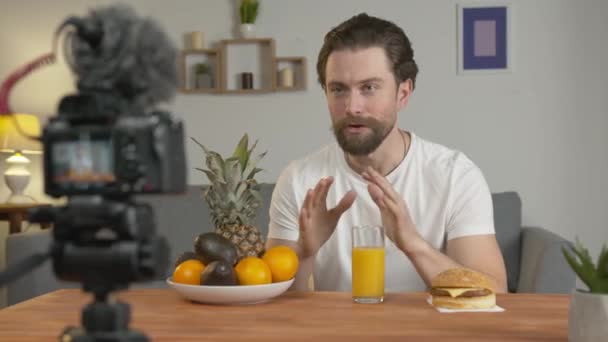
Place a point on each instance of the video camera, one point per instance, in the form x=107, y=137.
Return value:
x=108, y=143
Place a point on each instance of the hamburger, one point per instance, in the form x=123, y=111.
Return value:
x=461, y=288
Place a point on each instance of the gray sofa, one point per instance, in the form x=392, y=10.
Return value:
x=532, y=255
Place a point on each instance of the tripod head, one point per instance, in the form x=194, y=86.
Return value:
x=104, y=244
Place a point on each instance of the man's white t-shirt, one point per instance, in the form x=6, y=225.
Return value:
x=445, y=192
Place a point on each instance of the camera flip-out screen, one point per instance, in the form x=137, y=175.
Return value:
x=85, y=162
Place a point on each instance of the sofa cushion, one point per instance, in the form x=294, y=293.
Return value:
x=180, y=218
x=507, y=222
x=42, y=279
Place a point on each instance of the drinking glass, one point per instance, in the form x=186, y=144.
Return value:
x=368, y=264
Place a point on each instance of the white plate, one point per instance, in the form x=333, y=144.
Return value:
x=238, y=294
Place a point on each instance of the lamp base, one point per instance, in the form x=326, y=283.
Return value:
x=17, y=183
x=20, y=199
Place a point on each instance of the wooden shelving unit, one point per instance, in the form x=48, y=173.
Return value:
x=231, y=57
x=254, y=55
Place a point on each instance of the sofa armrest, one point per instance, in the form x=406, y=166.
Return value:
x=41, y=279
x=543, y=266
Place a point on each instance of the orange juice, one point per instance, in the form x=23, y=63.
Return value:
x=368, y=272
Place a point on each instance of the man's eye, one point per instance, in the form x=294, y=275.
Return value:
x=369, y=88
x=336, y=90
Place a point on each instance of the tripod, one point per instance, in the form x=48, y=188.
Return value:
x=104, y=320
x=105, y=244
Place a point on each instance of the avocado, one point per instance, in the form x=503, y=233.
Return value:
x=212, y=247
x=219, y=273
x=187, y=256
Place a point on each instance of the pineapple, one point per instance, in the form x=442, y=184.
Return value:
x=233, y=196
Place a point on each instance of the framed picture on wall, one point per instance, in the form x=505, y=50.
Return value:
x=484, y=37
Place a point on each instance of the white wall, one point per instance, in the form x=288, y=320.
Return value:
x=540, y=130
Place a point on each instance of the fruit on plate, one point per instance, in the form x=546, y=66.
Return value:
x=189, y=272
x=186, y=256
x=233, y=196
x=212, y=247
x=253, y=271
x=282, y=261
x=219, y=273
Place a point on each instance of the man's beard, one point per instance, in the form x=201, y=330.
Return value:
x=361, y=144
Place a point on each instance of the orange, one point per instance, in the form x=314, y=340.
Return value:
x=253, y=271
x=189, y=272
x=282, y=261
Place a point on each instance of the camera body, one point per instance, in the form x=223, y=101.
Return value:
x=94, y=147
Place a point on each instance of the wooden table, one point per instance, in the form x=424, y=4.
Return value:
x=299, y=316
x=15, y=214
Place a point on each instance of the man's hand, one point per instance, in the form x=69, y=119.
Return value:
x=480, y=253
x=396, y=217
x=317, y=223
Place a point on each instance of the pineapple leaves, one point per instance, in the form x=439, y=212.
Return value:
x=214, y=162
x=251, y=170
x=213, y=179
x=232, y=173
x=201, y=145
x=241, y=153
x=233, y=194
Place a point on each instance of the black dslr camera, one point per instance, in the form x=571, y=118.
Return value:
x=92, y=152
x=107, y=144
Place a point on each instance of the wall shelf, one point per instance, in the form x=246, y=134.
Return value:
x=297, y=65
x=232, y=57
x=187, y=63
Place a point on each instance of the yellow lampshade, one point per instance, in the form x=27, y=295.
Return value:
x=11, y=139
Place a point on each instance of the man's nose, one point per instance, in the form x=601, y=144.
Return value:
x=354, y=103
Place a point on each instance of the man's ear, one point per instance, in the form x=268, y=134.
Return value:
x=403, y=92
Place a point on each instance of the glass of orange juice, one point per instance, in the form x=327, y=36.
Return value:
x=368, y=264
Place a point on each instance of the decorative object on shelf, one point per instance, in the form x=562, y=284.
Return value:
x=249, y=10
x=247, y=80
x=17, y=175
x=588, y=309
x=202, y=76
x=484, y=37
x=286, y=77
x=195, y=40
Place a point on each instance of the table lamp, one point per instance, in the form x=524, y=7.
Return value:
x=17, y=175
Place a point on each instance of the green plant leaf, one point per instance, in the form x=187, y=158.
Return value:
x=249, y=11
x=602, y=263
x=254, y=11
x=584, y=256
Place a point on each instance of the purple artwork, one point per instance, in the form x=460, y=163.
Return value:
x=484, y=38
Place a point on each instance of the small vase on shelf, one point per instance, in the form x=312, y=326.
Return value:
x=248, y=10
x=247, y=30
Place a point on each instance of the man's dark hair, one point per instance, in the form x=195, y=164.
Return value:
x=364, y=31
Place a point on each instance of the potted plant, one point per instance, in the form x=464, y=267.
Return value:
x=249, y=10
x=202, y=76
x=588, y=313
